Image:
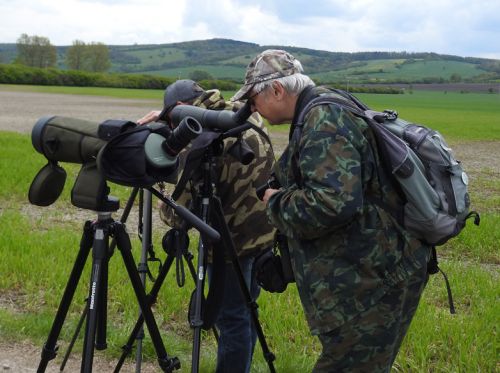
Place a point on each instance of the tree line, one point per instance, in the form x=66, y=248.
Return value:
x=37, y=51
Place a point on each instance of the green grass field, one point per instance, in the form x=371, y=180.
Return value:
x=39, y=245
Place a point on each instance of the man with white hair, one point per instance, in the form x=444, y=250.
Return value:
x=359, y=274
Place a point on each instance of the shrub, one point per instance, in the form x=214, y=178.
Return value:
x=19, y=74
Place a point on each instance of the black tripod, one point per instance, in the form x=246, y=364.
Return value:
x=96, y=237
x=123, y=219
x=176, y=249
x=210, y=211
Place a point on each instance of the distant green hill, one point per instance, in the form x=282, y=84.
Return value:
x=227, y=59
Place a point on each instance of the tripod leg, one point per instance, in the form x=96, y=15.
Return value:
x=220, y=223
x=125, y=247
x=100, y=341
x=49, y=349
x=97, y=282
x=197, y=321
x=189, y=259
x=146, y=235
x=75, y=336
x=140, y=321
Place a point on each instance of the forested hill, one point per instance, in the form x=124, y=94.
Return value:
x=227, y=59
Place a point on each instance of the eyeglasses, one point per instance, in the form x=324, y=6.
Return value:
x=251, y=98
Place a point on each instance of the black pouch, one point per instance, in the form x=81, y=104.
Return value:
x=269, y=273
x=273, y=272
x=124, y=160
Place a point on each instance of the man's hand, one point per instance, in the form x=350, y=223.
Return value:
x=268, y=193
x=152, y=116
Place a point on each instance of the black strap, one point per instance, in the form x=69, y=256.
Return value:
x=433, y=268
x=193, y=159
x=261, y=132
x=176, y=244
x=477, y=217
x=216, y=290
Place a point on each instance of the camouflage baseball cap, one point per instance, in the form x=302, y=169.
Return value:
x=270, y=64
x=183, y=90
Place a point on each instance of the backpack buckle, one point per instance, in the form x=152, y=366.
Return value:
x=391, y=114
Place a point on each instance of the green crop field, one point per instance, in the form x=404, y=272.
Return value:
x=387, y=70
x=39, y=245
x=457, y=116
x=159, y=56
x=220, y=71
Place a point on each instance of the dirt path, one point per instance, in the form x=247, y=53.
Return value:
x=25, y=357
x=19, y=111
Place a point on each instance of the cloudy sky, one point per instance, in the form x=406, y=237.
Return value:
x=459, y=27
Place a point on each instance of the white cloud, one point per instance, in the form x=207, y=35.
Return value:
x=111, y=22
x=443, y=26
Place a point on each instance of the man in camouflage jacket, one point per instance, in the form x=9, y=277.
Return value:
x=244, y=213
x=359, y=274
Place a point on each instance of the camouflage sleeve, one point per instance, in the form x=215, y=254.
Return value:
x=236, y=187
x=331, y=192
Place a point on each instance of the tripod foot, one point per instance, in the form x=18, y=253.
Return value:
x=270, y=357
x=101, y=346
x=49, y=354
x=169, y=365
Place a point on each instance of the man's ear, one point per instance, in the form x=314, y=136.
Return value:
x=278, y=90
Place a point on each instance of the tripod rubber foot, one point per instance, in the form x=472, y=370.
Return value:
x=169, y=365
x=49, y=354
x=270, y=357
x=101, y=346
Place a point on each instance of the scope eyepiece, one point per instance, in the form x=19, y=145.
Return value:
x=188, y=129
x=221, y=120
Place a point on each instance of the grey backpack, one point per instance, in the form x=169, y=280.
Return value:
x=432, y=181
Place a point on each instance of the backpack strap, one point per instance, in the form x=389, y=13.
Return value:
x=311, y=98
x=350, y=103
x=374, y=120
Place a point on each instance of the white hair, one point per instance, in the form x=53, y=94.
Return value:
x=293, y=84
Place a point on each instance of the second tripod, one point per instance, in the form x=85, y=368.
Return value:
x=96, y=236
